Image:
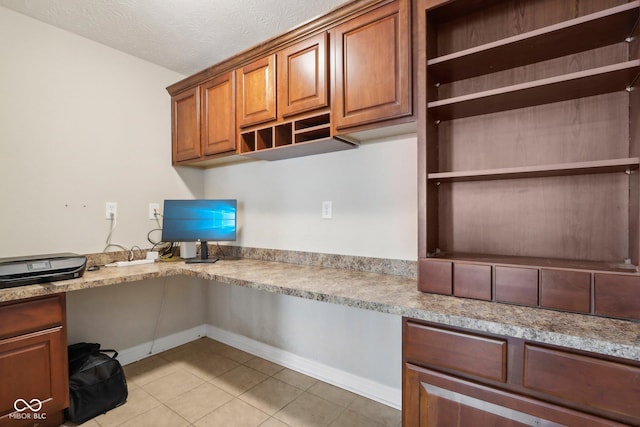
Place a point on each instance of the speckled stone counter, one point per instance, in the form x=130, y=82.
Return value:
x=379, y=292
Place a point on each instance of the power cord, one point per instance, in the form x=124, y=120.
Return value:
x=165, y=249
x=116, y=245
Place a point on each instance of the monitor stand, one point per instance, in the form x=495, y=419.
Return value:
x=204, y=256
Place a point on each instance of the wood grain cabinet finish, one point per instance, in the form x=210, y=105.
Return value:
x=185, y=129
x=373, y=66
x=437, y=276
x=457, y=377
x=33, y=359
x=472, y=354
x=617, y=295
x=610, y=386
x=434, y=399
x=303, y=83
x=472, y=281
x=218, y=115
x=565, y=290
x=512, y=169
x=516, y=285
x=256, y=92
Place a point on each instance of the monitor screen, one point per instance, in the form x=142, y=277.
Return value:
x=200, y=219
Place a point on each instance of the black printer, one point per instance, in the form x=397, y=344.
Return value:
x=19, y=271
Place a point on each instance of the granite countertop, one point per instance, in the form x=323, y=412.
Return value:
x=379, y=292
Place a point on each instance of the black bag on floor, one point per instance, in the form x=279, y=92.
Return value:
x=96, y=382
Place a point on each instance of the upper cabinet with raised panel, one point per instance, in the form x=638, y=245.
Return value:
x=218, y=115
x=185, y=126
x=303, y=83
x=342, y=77
x=256, y=88
x=372, y=56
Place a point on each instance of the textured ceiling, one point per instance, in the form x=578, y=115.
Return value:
x=183, y=35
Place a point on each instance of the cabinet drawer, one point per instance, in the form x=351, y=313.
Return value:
x=469, y=354
x=31, y=315
x=516, y=285
x=602, y=384
x=617, y=295
x=472, y=281
x=436, y=277
x=566, y=290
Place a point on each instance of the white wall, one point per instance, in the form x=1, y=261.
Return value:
x=80, y=124
x=374, y=193
x=373, y=189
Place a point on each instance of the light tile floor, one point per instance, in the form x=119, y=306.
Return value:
x=207, y=383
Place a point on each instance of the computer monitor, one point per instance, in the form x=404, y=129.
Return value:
x=200, y=220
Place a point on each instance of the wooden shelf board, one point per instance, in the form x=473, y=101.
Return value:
x=312, y=129
x=558, y=169
x=307, y=148
x=535, y=262
x=596, y=81
x=584, y=33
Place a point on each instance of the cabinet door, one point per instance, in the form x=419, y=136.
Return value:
x=302, y=76
x=185, y=125
x=34, y=366
x=218, y=115
x=432, y=399
x=373, y=66
x=256, y=89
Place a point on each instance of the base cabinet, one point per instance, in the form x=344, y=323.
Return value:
x=34, y=386
x=455, y=377
x=437, y=400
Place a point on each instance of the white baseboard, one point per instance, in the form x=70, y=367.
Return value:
x=141, y=351
x=385, y=394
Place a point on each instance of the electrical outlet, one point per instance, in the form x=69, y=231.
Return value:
x=327, y=210
x=154, y=208
x=111, y=210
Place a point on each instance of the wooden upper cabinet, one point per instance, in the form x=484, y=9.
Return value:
x=373, y=66
x=218, y=115
x=185, y=129
x=256, y=91
x=302, y=76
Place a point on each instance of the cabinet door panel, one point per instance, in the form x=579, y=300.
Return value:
x=185, y=129
x=373, y=66
x=302, y=76
x=443, y=400
x=256, y=89
x=34, y=366
x=218, y=114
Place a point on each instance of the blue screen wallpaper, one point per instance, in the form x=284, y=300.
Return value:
x=192, y=220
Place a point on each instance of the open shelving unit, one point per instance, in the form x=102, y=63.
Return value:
x=531, y=129
x=296, y=138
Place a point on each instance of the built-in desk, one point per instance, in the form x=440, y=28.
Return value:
x=379, y=292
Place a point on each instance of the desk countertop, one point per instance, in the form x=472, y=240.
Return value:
x=379, y=292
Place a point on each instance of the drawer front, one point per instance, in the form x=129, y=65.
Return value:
x=31, y=315
x=617, y=295
x=566, y=290
x=602, y=384
x=472, y=281
x=468, y=354
x=436, y=276
x=517, y=285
